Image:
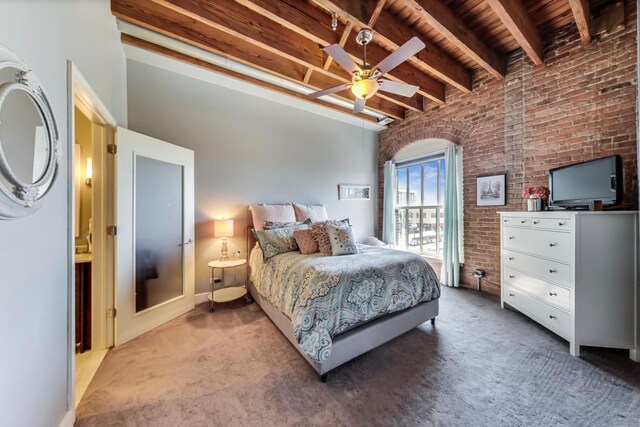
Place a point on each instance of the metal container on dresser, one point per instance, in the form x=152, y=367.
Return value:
x=574, y=273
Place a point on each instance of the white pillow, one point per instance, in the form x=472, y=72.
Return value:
x=315, y=213
x=276, y=213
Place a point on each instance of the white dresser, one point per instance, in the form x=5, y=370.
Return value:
x=574, y=273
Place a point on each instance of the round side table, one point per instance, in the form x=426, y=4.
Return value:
x=230, y=293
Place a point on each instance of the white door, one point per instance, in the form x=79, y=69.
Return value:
x=155, y=219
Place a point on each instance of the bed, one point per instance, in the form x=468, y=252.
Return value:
x=333, y=309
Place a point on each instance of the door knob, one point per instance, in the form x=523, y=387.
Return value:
x=188, y=242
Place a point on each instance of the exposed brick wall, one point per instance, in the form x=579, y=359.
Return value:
x=579, y=106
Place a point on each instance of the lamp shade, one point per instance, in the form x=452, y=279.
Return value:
x=365, y=88
x=223, y=228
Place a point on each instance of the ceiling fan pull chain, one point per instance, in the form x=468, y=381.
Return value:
x=334, y=21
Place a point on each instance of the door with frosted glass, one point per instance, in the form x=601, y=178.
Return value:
x=155, y=217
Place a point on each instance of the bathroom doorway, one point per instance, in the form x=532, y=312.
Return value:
x=91, y=212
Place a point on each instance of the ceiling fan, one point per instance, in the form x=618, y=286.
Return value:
x=364, y=83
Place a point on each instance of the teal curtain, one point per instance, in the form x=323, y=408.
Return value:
x=388, y=209
x=452, y=254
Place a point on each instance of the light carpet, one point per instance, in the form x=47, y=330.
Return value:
x=479, y=365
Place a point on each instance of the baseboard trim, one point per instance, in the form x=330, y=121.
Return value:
x=69, y=418
x=200, y=298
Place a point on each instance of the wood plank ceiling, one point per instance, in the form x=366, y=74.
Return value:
x=285, y=38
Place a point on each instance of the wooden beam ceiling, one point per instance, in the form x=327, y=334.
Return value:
x=516, y=18
x=133, y=41
x=286, y=38
x=167, y=22
x=582, y=16
x=395, y=33
x=312, y=23
x=446, y=22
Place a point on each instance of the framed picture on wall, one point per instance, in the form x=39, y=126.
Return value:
x=491, y=190
x=354, y=192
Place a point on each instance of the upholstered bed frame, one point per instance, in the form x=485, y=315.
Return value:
x=353, y=342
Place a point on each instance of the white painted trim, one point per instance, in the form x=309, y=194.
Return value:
x=160, y=61
x=69, y=418
x=200, y=298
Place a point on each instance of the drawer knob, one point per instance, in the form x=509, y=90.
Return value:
x=510, y=237
x=512, y=295
x=551, y=270
x=553, y=294
x=523, y=221
x=511, y=276
x=552, y=244
x=536, y=222
x=560, y=224
x=551, y=316
x=510, y=258
x=505, y=220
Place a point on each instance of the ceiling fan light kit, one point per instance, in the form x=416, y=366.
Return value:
x=364, y=81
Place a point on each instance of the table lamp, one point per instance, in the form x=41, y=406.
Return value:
x=223, y=228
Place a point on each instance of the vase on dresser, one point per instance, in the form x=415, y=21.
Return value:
x=534, y=205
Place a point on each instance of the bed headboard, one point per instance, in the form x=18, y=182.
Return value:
x=251, y=240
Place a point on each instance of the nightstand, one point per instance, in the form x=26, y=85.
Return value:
x=230, y=293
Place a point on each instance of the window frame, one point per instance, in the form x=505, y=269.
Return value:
x=438, y=207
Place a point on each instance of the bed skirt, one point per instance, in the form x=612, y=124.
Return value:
x=356, y=341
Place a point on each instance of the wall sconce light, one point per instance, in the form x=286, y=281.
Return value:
x=223, y=228
x=89, y=172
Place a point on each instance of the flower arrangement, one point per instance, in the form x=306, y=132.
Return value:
x=536, y=193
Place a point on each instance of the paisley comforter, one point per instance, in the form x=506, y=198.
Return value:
x=326, y=295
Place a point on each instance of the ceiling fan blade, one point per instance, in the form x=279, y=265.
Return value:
x=400, y=55
x=401, y=89
x=341, y=57
x=358, y=106
x=331, y=90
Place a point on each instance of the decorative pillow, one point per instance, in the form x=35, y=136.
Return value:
x=271, y=225
x=319, y=230
x=314, y=213
x=277, y=213
x=306, y=242
x=374, y=241
x=277, y=241
x=343, y=242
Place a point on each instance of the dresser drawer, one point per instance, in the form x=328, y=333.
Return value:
x=516, y=221
x=560, y=224
x=551, y=317
x=549, y=244
x=553, y=294
x=551, y=271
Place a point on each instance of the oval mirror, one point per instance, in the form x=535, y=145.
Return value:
x=23, y=136
x=29, y=139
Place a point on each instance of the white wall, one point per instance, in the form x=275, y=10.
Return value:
x=33, y=250
x=250, y=150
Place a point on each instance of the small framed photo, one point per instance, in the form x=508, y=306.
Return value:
x=491, y=190
x=354, y=192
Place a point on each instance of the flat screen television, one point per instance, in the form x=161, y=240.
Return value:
x=579, y=185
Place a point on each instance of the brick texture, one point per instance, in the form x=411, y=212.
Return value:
x=579, y=106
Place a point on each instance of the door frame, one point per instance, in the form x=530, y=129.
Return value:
x=81, y=94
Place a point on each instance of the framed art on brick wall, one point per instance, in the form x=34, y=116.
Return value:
x=490, y=190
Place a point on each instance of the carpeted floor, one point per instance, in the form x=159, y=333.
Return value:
x=480, y=365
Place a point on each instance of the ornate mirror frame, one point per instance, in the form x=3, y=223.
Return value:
x=24, y=198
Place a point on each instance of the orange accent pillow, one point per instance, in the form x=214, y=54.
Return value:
x=305, y=241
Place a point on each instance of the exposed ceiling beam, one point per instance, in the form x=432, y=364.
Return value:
x=241, y=22
x=394, y=33
x=312, y=23
x=376, y=13
x=152, y=47
x=167, y=22
x=517, y=20
x=446, y=22
x=582, y=15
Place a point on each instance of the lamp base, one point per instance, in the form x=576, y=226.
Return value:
x=225, y=252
